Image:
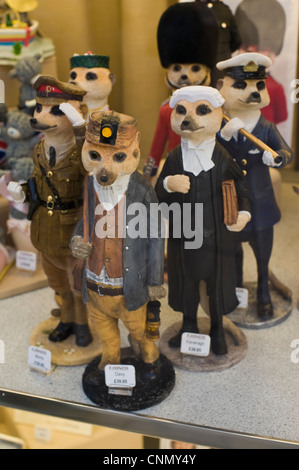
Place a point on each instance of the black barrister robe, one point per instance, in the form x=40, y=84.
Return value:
x=225, y=169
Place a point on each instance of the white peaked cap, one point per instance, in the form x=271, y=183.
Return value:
x=197, y=93
x=242, y=60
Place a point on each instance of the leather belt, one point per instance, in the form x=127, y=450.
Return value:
x=65, y=206
x=104, y=290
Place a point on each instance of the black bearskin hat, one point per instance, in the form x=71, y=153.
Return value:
x=187, y=34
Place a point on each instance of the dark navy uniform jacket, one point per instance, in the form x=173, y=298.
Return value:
x=264, y=209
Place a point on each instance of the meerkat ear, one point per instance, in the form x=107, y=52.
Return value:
x=219, y=84
x=112, y=77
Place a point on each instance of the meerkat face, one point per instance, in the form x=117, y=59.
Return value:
x=108, y=162
x=180, y=75
x=196, y=121
x=242, y=94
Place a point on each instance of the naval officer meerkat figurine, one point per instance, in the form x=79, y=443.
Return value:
x=244, y=90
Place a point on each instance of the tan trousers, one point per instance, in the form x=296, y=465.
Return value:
x=59, y=271
x=105, y=312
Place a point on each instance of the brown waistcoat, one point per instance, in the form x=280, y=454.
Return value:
x=107, y=241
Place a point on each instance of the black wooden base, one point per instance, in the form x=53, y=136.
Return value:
x=146, y=393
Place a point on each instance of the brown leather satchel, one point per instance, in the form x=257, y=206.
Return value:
x=230, y=202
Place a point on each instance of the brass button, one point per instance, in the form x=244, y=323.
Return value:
x=49, y=174
x=244, y=162
x=210, y=5
x=68, y=180
x=224, y=25
x=50, y=213
x=50, y=198
x=244, y=172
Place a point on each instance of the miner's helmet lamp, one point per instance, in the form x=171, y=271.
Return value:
x=112, y=129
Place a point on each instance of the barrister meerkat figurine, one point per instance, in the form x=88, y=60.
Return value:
x=123, y=271
x=91, y=72
x=244, y=90
x=54, y=193
x=187, y=39
x=194, y=173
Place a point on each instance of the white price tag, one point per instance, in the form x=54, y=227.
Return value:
x=242, y=295
x=39, y=359
x=120, y=376
x=26, y=260
x=195, y=344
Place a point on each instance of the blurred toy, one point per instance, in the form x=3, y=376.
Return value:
x=21, y=139
x=244, y=90
x=16, y=28
x=187, y=38
x=91, y=72
x=27, y=70
x=255, y=20
x=229, y=40
x=55, y=195
x=195, y=172
x=122, y=274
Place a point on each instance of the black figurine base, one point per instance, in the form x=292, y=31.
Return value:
x=248, y=317
x=146, y=393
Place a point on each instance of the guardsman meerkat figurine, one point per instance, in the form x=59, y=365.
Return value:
x=91, y=72
x=195, y=173
x=55, y=195
x=123, y=272
x=244, y=90
x=187, y=38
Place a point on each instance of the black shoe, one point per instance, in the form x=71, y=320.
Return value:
x=265, y=311
x=61, y=332
x=175, y=341
x=83, y=335
x=151, y=371
x=96, y=377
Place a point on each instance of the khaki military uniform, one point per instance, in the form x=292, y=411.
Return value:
x=52, y=228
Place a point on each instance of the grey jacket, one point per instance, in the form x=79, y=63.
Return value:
x=143, y=257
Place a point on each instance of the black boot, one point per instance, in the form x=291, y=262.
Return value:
x=151, y=370
x=83, y=335
x=61, y=332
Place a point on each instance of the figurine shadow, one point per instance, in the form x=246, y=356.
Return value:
x=64, y=353
x=146, y=393
x=248, y=318
x=236, y=345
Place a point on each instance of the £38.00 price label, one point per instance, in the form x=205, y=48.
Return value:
x=195, y=344
x=120, y=376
